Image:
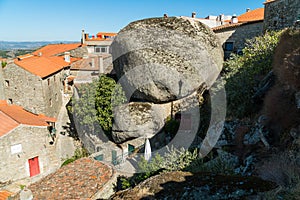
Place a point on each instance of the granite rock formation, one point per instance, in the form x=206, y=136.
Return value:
x=164, y=59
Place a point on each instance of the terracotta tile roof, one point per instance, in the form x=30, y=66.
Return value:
x=107, y=34
x=269, y=1
x=43, y=66
x=53, y=49
x=252, y=15
x=12, y=115
x=81, y=179
x=246, y=18
x=7, y=124
x=226, y=26
x=85, y=64
x=4, y=194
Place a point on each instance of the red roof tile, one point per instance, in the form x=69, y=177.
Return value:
x=43, y=66
x=12, y=115
x=225, y=26
x=53, y=49
x=248, y=17
x=7, y=124
x=107, y=34
x=81, y=179
x=4, y=194
x=269, y=1
x=252, y=15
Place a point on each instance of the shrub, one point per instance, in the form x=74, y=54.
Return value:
x=242, y=74
x=79, y=153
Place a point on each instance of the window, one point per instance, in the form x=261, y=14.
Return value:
x=10, y=101
x=228, y=46
x=7, y=83
x=56, y=97
x=54, y=78
x=48, y=80
x=50, y=102
x=101, y=49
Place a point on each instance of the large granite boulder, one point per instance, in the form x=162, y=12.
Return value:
x=136, y=120
x=164, y=59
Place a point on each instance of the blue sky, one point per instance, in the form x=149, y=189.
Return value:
x=48, y=20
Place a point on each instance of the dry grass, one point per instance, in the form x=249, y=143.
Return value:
x=282, y=169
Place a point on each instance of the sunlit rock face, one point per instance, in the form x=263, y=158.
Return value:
x=160, y=60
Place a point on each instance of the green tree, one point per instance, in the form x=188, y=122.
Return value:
x=84, y=107
x=96, y=102
x=108, y=95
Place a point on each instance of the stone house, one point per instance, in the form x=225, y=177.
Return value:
x=211, y=21
x=99, y=44
x=91, y=67
x=280, y=14
x=37, y=81
x=234, y=35
x=26, y=143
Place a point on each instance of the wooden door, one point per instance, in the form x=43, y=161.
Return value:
x=34, y=167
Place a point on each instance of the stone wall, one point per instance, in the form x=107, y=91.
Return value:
x=53, y=93
x=34, y=141
x=2, y=94
x=239, y=35
x=32, y=92
x=281, y=14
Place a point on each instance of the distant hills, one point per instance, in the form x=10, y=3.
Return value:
x=8, y=45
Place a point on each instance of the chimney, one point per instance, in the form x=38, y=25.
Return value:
x=222, y=18
x=234, y=19
x=193, y=14
x=67, y=57
x=165, y=15
x=82, y=37
x=248, y=9
x=40, y=54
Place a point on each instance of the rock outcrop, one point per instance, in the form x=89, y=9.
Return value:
x=138, y=119
x=164, y=59
x=135, y=120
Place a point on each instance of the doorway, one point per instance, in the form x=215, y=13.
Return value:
x=34, y=167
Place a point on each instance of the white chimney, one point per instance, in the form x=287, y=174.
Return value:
x=193, y=14
x=234, y=19
x=67, y=57
x=248, y=9
x=40, y=54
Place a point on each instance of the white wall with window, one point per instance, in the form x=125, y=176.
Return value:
x=101, y=49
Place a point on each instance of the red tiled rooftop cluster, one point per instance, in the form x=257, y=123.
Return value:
x=81, y=179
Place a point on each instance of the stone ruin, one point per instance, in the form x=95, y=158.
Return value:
x=164, y=66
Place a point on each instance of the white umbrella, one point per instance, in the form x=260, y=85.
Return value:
x=147, y=153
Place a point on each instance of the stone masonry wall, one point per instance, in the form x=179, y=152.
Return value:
x=23, y=88
x=32, y=92
x=2, y=94
x=34, y=142
x=281, y=14
x=53, y=93
x=238, y=35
